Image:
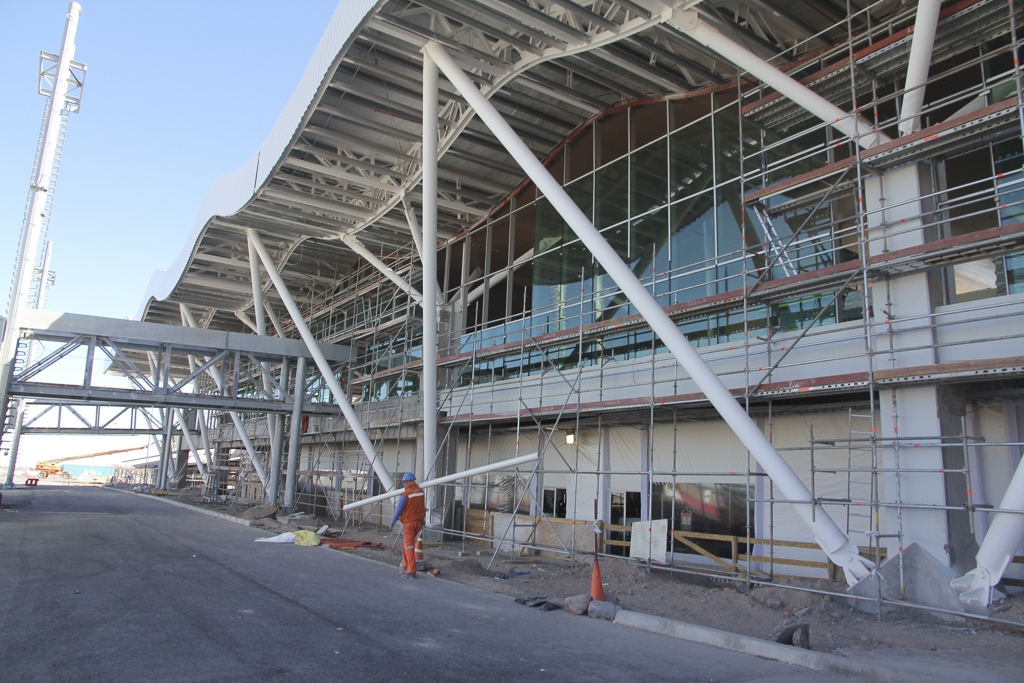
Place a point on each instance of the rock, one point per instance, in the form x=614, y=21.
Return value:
x=774, y=603
x=577, y=604
x=742, y=588
x=802, y=611
x=792, y=631
x=600, y=609
x=260, y=512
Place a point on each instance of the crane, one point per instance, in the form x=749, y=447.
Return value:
x=54, y=467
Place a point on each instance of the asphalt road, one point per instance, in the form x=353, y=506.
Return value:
x=97, y=585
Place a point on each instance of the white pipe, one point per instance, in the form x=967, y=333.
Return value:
x=261, y=330
x=497, y=278
x=273, y=319
x=977, y=587
x=246, y=320
x=372, y=259
x=321, y=362
x=689, y=22
x=200, y=418
x=430, y=293
x=918, y=64
x=504, y=464
x=414, y=226
x=840, y=549
x=293, y=442
x=30, y=237
x=187, y=433
x=218, y=379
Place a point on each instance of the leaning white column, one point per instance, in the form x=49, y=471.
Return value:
x=429, y=376
x=689, y=22
x=386, y=270
x=321, y=362
x=977, y=587
x=293, y=441
x=840, y=549
x=918, y=64
x=273, y=421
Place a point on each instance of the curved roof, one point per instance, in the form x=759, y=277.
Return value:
x=344, y=153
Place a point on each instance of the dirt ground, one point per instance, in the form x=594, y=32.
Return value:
x=834, y=626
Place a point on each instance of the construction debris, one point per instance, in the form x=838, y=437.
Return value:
x=260, y=512
x=301, y=537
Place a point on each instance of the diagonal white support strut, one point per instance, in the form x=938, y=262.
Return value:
x=836, y=544
x=918, y=64
x=372, y=259
x=321, y=362
x=859, y=128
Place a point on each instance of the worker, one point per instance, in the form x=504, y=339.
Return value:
x=411, y=510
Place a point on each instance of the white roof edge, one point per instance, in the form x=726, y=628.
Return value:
x=231, y=192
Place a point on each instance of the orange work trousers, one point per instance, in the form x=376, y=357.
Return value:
x=409, y=533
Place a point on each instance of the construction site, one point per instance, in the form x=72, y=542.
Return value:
x=729, y=289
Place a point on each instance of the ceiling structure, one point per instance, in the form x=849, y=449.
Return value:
x=345, y=153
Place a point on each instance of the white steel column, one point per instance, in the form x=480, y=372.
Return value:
x=273, y=319
x=429, y=376
x=30, y=237
x=372, y=259
x=299, y=395
x=321, y=362
x=414, y=226
x=689, y=22
x=261, y=330
x=840, y=549
x=977, y=587
x=918, y=64
x=218, y=379
x=187, y=433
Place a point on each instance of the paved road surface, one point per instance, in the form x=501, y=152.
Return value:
x=97, y=585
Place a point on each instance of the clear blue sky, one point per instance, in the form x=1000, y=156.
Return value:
x=177, y=93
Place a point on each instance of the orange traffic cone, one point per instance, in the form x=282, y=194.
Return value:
x=596, y=588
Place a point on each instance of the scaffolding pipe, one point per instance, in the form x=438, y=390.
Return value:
x=321, y=362
x=836, y=544
x=917, y=67
x=1005, y=533
x=448, y=478
x=689, y=22
x=372, y=259
x=293, y=440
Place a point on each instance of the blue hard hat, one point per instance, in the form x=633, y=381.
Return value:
x=409, y=476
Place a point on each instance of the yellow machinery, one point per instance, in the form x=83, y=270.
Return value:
x=55, y=467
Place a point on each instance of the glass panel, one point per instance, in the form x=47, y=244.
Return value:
x=612, y=194
x=719, y=509
x=693, y=248
x=649, y=123
x=649, y=168
x=581, y=155
x=731, y=246
x=692, y=160
x=614, y=136
x=727, y=143
x=582, y=192
x=689, y=109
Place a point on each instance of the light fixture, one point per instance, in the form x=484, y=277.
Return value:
x=570, y=438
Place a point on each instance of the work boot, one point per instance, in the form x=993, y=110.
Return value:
x=410, y=576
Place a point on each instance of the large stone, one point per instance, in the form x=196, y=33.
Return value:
x=599, y=609
x=260, y=512
x=792, y=631
x=577, y=604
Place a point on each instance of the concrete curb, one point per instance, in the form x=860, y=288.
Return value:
x=788, y=654
x=212, y=513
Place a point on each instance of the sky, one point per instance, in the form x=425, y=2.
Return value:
x=176, y=94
